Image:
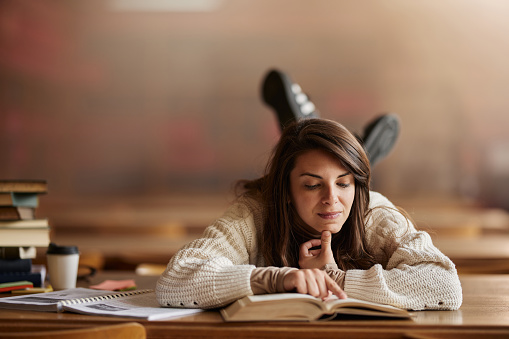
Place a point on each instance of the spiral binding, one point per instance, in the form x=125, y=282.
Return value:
x=104, y=297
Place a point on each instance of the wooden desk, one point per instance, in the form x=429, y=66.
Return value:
x=484, y=314
x=486, y=254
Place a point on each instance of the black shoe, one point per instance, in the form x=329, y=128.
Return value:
x=380, y=136
x=286, y=98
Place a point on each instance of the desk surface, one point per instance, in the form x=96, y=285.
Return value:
x=485, y=312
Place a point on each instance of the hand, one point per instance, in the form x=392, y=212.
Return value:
x=316, y=258
x=314, y=282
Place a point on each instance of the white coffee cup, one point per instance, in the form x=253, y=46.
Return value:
x=63, y=264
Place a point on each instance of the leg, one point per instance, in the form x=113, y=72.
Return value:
x=291, y=104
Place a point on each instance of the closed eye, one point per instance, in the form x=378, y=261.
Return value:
x=343, y=185
x=312, y=187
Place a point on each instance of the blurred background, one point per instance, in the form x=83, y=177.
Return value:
x=141, y=115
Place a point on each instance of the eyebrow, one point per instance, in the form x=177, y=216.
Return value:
x=319, y=177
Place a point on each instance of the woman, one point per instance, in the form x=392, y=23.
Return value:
x=312, y=226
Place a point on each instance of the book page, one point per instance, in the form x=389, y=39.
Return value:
x=281, y=296
x=333, y=304
x=48, y=301
x=143, y=306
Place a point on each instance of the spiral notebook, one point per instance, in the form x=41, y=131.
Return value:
x=141, y=304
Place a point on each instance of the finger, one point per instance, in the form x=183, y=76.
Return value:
x=326, y=240
x=312, y=243
x=322, y=286
x=316, y=284
x=304, y=248
x=305, y=282
x=334, y=288
x=301, y=283
x=312, y=284
x=314, y=252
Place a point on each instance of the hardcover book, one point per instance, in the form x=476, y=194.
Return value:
x=24, y=233
x=16, y=213
x=303, y=307
x=24, y=186
x=18, y=252
x=19, y=199
x=36, y=276
x=15, y=265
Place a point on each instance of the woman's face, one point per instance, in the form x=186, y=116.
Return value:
x=322, y=191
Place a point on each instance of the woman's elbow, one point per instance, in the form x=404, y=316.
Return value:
x=164, y=291
x=452, y=294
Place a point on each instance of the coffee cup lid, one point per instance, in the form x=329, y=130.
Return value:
x=55, y=249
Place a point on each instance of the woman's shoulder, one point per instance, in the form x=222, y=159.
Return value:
x=385, y=217
x=378, y=200
x=244, y=208
x=246, y=205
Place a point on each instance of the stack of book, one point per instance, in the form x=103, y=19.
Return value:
x=21, y=232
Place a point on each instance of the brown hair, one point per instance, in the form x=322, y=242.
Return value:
x=282, y=234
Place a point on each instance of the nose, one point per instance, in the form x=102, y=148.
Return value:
x=330, y=196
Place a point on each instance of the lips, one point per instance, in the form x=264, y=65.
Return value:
x=329, y=215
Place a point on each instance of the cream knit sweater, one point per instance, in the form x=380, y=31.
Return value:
x=215, y=270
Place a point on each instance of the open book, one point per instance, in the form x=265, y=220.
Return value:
x=140, y=304
x=303, y=307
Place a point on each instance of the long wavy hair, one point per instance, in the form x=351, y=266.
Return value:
x=282, y=227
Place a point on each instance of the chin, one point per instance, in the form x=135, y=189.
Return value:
x=319, y=227
x=331, y=228
x=335, y=228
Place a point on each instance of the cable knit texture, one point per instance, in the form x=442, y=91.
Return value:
x=216, y=269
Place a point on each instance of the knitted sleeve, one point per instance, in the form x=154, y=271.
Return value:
x=214, y=270
x=412, y=273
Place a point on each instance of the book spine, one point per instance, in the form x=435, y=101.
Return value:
x=35, y=278
x=24, y=186
x=6, y=287
x=104, y=297
x=11, y=252
x=9, y=213
x=22, y=224
x=16, y=213
x=19, y=199
x=15, y=265
x=18, y=252
x=25, y=237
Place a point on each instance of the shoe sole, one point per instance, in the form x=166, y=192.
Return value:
x=277, y=88
x=382, y=138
